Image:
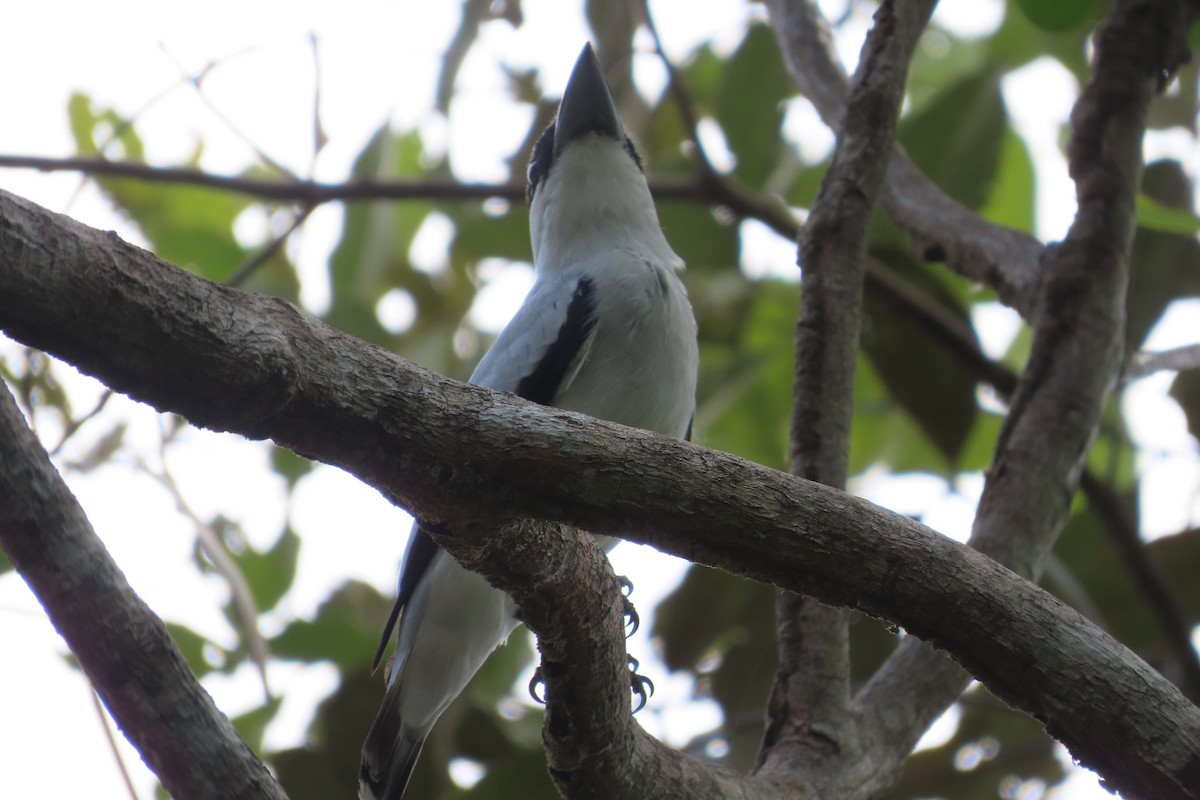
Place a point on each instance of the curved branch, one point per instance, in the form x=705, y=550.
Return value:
x=255, y=365
x=940, y=228
x=120, y=643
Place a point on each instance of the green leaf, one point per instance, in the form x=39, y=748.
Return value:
x=1156, y=217
x=327, y=765
x=992, y=745
x=270, y=574
x=702, y=238
x=1012, y=199
x=291, y=466
x=193, y=646
x=884, y=432
x=957, y=138
x=662, y=139
x=749, y=104
x=1185, y=389
x=1059, y=15
x=1165, y=265
x=746, y=378
x=191, y=226
x=727, y=622
x=1178, y=556
x=372, y=256
x=1019, y=42
x=480, y=235
x=921, y=373
x=345, y=630
x=1103, y=588
x=253, y=724
x=520, y=774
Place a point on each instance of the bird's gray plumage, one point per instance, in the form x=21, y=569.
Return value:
x=606, y=330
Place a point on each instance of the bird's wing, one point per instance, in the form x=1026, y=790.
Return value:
x=535, y=356
x=543, y=346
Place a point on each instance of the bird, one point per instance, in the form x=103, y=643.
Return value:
x=607, y=330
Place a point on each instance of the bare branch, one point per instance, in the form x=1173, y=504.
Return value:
x=222, y=560
x=1178, y=359
x=254, y=364
x=940, y=228
x=307, y=193
x=809, y=707
x=122, y=646
x=102, y=718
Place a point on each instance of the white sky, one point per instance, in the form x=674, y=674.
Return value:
x=379, y=61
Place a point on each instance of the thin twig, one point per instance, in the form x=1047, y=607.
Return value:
x=102, y=715
x=240, y=275
x=195, y=82
x=74, y=425
x=1177, y=359
x=320, y=139
x=283, y=190
x=218, y=553
x=681, y=96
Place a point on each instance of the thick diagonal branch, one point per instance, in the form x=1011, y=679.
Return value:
x=120, y=643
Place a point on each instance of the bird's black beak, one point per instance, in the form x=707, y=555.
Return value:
x=587, y=104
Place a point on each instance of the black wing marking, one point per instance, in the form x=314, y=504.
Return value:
x=540, y=385
x=417, y=557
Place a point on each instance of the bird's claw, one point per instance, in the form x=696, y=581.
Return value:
x=642, y=686
x=537, y=681
x=632, y=621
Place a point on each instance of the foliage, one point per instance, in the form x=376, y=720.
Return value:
x=918, y=405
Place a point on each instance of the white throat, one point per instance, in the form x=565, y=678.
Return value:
x=595, y=198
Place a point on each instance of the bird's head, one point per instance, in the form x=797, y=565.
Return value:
x=586, y=185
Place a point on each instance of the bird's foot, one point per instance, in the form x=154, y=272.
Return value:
x=632, y=621
x=642, y=686
x=535, y=683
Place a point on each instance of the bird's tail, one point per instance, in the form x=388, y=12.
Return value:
x=389, y=755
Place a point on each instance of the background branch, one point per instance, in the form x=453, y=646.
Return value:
x=940, y=228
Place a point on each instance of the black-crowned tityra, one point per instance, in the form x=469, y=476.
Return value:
x=606, y=330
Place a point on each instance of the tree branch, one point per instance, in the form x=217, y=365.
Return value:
x=120, y=643
x=309, y=194
x=1178, y=359
x=940, y=228
x=809, y=706
x=1077, y=351
x=255, y=365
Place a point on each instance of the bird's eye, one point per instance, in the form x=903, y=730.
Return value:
x=540, y=162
